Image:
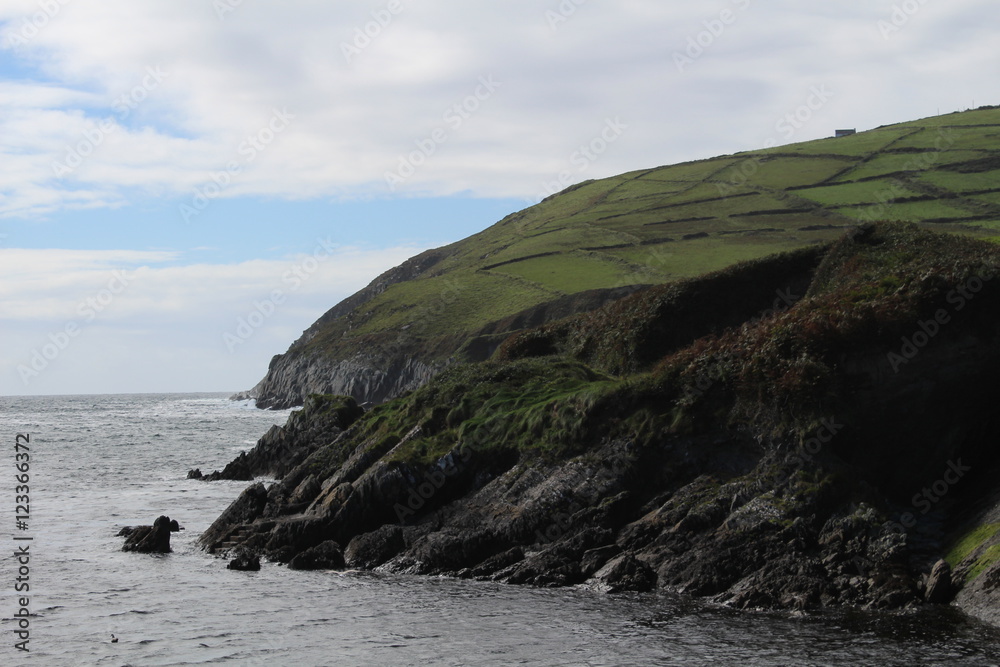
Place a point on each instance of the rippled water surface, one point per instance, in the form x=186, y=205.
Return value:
x=103, y=462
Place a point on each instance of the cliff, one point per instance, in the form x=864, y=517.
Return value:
x=811, y=429
x=579, y=249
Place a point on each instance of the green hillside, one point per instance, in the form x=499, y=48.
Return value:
x=684, y=220
x=657, y=225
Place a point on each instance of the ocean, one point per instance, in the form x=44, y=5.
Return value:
x=98, y=463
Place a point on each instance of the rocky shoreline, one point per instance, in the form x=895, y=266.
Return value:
x=838, y=451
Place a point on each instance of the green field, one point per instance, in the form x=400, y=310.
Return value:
x=858, y=193
x=670, y=222
x=894, y=163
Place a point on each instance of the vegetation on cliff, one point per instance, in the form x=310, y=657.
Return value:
x=801, y=430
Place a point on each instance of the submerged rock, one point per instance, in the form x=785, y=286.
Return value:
x=244, y=561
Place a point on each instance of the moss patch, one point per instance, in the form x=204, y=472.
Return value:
x=969, y=542
x=990, y=556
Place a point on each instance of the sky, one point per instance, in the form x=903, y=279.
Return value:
x=185, y=186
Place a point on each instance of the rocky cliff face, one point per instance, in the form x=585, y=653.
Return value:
x=388, y=365
x=368, y=377
x=836, y=451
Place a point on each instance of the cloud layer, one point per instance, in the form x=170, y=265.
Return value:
x=99, y=322
x=161, y=96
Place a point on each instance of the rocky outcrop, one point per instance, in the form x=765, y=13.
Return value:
x=385, y=366
x=244, y=510
x=939, y=588
x=320, y=421
x=811, y=457
x=150, y=539
x=367, y=377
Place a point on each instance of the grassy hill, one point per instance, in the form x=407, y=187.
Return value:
x=658, y=225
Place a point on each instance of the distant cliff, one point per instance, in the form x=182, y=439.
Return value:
x=380, y=364
x=813, y=429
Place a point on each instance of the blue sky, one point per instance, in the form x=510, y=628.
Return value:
x=168, y=167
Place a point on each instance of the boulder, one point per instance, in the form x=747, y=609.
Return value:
x=369, y=550
x=625, y=573
x=149, y=539
x=244, y=561
x=324, y=556
x=939, y=586
x=195, y=473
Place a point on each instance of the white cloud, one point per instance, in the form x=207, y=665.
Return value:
x=354, y=120
x=108, y=321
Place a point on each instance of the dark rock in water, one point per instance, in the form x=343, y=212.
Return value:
x=175, y=527
x=195, y=473
x=324, y=556
x=939, y=587
x=150, y=539
x=626, y=573
x=244, y=561
x=125, y=531
x=370, y=550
